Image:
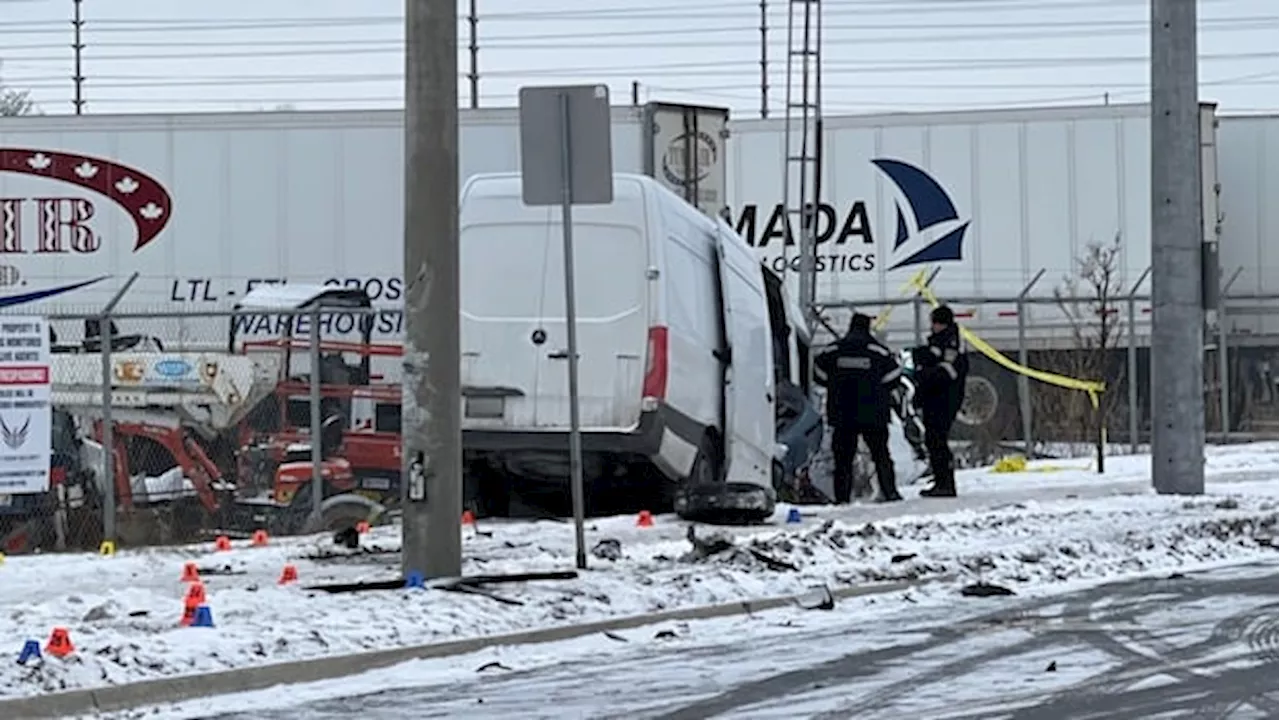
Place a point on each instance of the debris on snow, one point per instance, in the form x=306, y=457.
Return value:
x=817, y=598
x=608, y=549
x=983, y=589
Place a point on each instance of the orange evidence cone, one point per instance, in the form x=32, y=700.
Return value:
x=362, y=527
x=468, y=517
x=189, y=607
x=288, y=574
x=190, y=573
x=60, y=643
x=222, y=544
x=259, y=538
x=645, y=519
x=195, y=594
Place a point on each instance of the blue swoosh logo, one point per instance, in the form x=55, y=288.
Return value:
x=22, y=298
x=930, y=205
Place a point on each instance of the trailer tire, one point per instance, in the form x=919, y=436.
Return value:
x=990, y=410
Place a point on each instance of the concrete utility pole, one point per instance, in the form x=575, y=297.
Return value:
x=431, y=422
x=1177, y=316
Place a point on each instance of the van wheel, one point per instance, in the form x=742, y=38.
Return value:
x=706, y=466
x=704, y=479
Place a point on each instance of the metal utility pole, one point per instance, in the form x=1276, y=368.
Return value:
x=1177, y=315
x=431, y=410
x=802, y=131
x=473, y=48
x=108, y=487
x=764, y=58
x=317, y=435
x=78, y=47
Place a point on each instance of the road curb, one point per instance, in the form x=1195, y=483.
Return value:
x=259, y=677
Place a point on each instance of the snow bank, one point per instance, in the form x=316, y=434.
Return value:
x=123, y=612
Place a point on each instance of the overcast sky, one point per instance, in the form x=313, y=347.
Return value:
x=878, y=55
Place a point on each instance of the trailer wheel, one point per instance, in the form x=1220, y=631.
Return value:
x=981, y=401
x=990, y=411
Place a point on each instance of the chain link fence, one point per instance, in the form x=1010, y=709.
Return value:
x=209, y=419
x=1088, y=338
x=209, y=415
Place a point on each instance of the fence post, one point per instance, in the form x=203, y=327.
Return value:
x=317, y=455
x=108, y=434
x=1224, y=366
x=1133, y=362
x=1024, y=384
x=108, y=489
x=917, y=319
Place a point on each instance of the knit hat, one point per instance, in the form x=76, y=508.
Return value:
x=860, y=323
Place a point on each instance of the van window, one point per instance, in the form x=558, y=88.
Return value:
x=516, y=270
x=780, y=331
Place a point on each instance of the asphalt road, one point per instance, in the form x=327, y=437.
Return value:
x=1199, y=646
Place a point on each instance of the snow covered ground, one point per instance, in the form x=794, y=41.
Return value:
x=1029, y=529
x=890, y=657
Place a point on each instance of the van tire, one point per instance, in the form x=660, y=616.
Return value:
x=704, y=474
x=706, y=466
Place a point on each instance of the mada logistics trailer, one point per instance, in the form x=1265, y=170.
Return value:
x=205, y=207
x=992, y=199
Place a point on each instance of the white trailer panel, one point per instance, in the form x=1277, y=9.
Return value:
x=989, y=197
x=246, y=198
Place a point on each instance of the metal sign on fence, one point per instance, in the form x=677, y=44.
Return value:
x=26, y=415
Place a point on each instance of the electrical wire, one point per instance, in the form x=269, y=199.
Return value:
x=683, y=11
x=605, y=40
x=1267, y=77
x=366, y=102
x=727, y=17
x=833, y=67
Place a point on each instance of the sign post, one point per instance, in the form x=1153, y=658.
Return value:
x=566, y=159
x=26, y=415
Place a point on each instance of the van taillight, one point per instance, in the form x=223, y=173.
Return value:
x=57, y=475
x=655, y=369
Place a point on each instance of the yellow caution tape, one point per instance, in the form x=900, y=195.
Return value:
x=1018, y=464
x=1092, y=387
x=883, y=318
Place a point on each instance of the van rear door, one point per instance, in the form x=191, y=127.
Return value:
x=514, y=333
x=749, y=384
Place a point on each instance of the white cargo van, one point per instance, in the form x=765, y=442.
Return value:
x=675, y=347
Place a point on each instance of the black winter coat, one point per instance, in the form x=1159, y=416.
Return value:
x=859, y=373
x=940, y=372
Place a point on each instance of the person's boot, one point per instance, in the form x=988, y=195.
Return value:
x=889, y=497
x=939, y=490
x=944, y=486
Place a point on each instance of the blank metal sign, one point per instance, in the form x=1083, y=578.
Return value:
x=542, y=144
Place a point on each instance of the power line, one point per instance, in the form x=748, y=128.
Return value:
x=365, y=101
x=1025, y=31
x=151, y=81
x=685, y=11
x=871, y=65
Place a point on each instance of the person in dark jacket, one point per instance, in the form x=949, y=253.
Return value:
x=940, y=371
x=859, y=373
